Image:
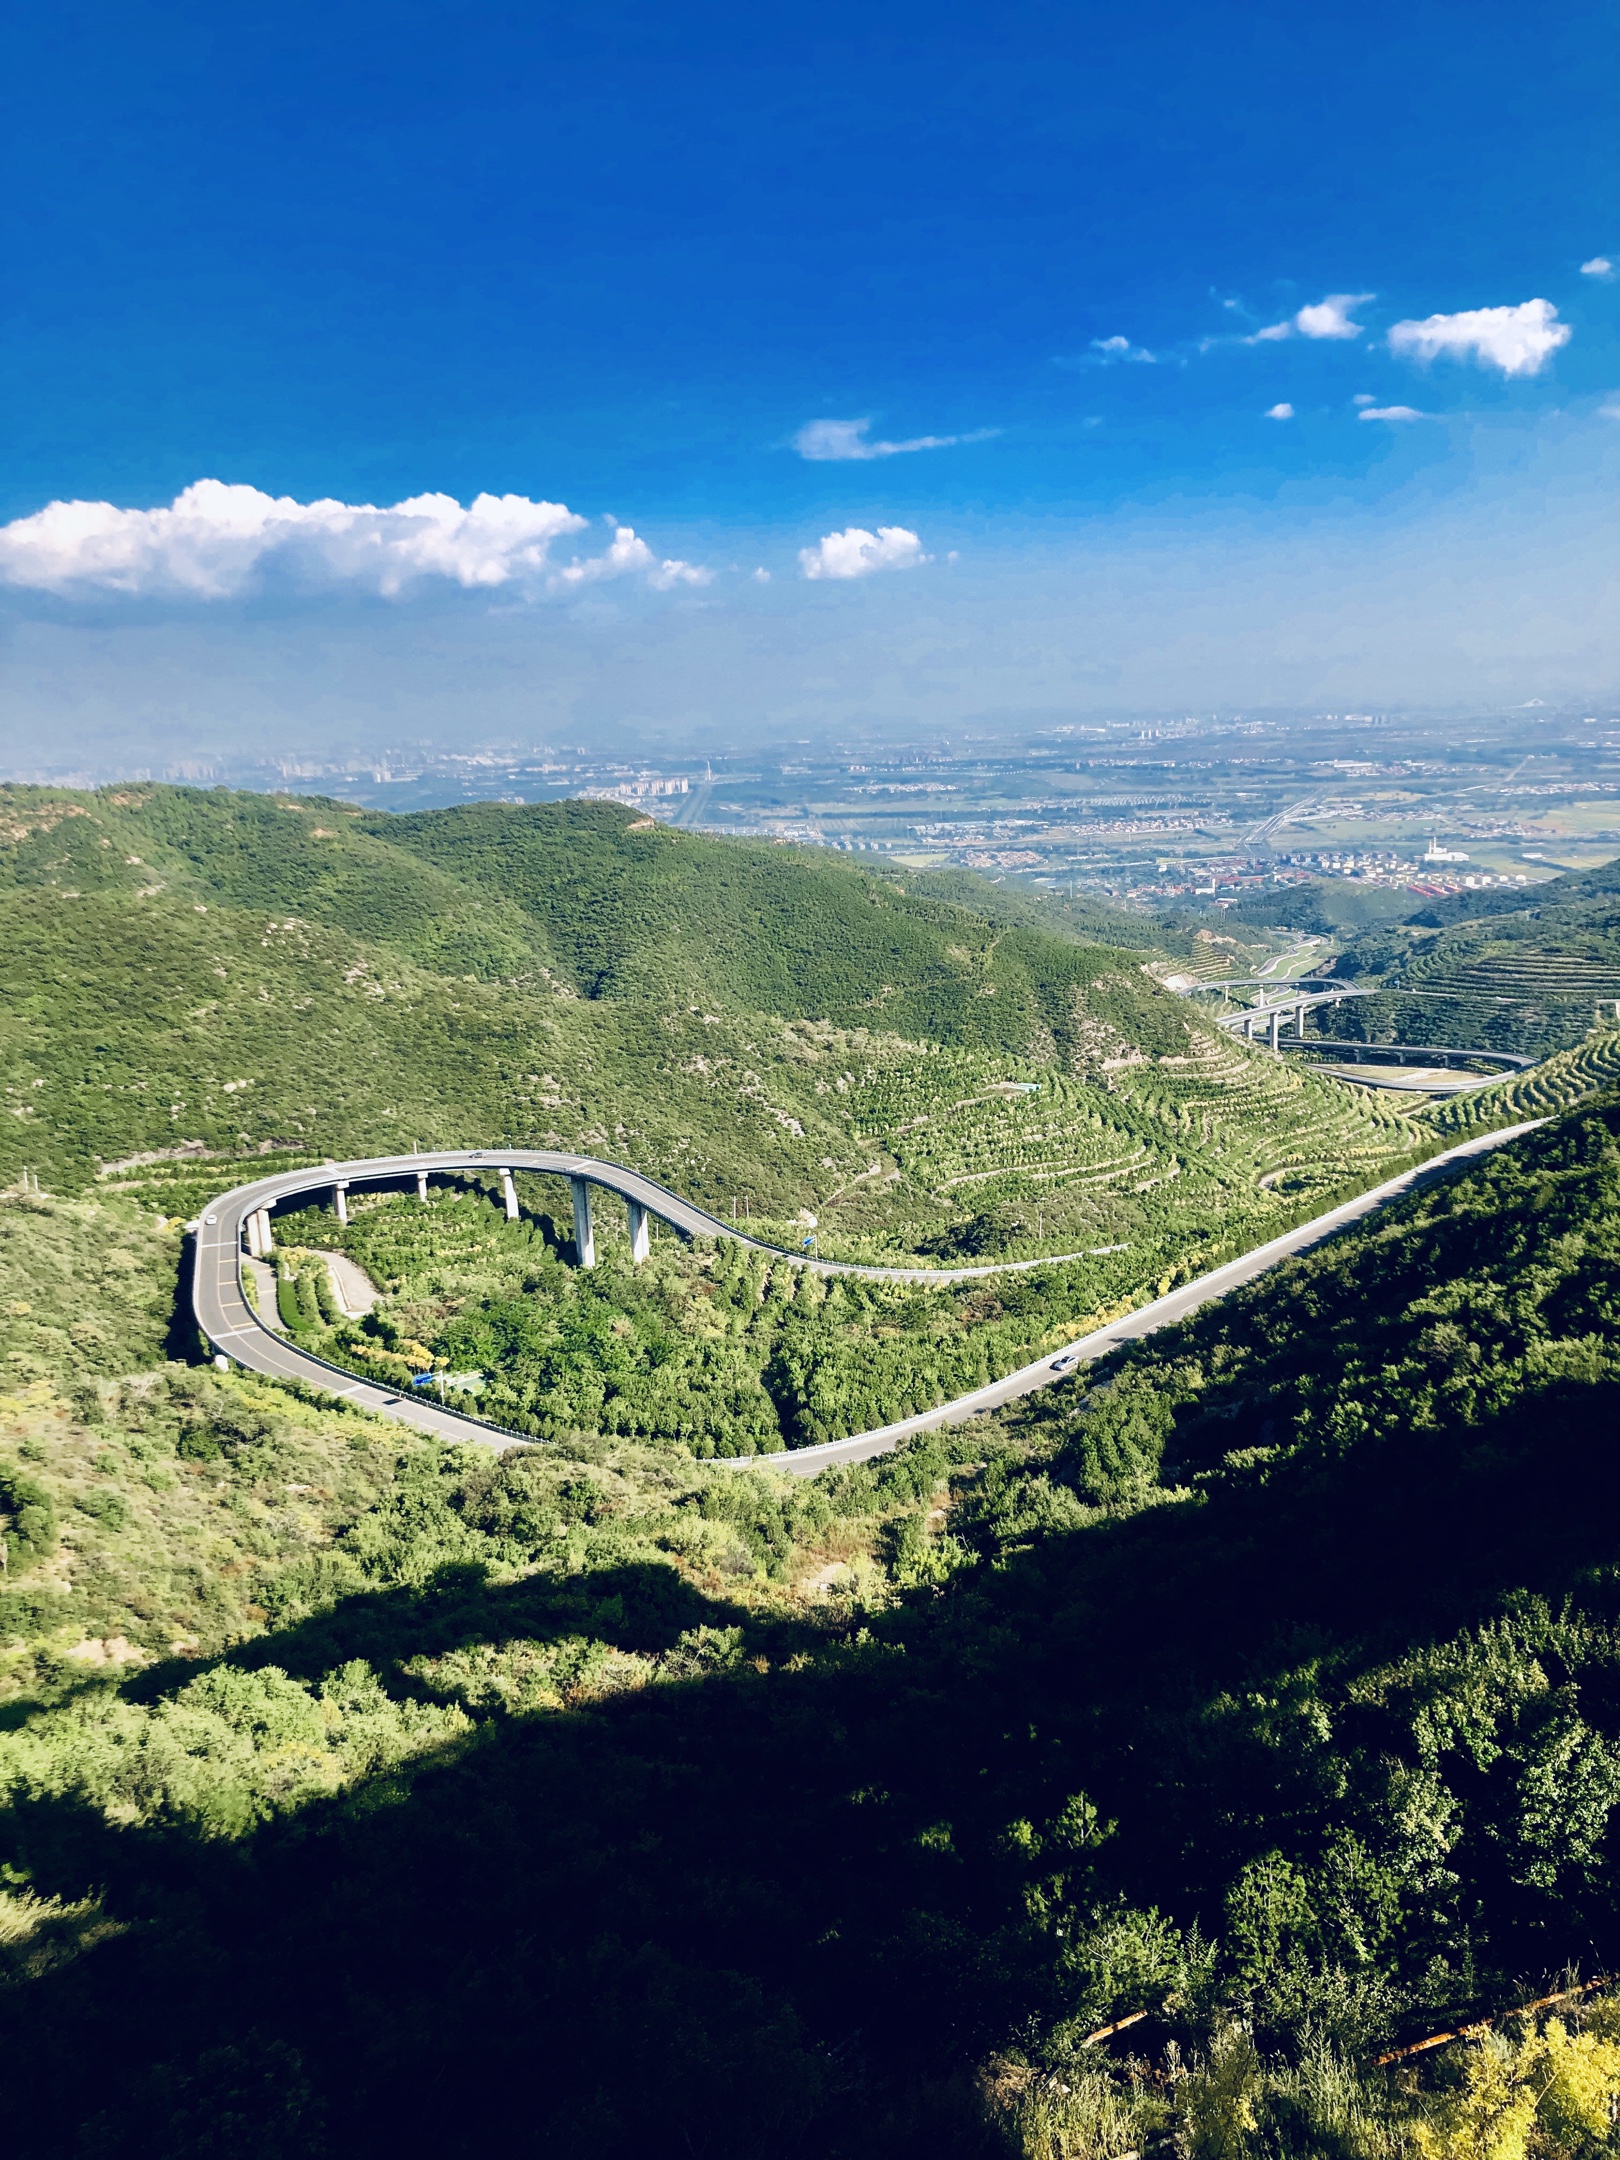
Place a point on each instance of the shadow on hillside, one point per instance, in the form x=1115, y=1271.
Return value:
x=639, y=1606
x=182, y=1342
x=777, y=1912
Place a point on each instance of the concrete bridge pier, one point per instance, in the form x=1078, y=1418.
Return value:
x=1276, y=1031
x=584, y=1234
x=250, y=1223
x=421, y=1185
x=267, y=1243
x=340, y=1192
x=640, y=1231
x=509, y=1195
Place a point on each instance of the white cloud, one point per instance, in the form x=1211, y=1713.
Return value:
x=1518, y=340
x=214, y=540
x=857, y=553
x=1599, y=267
x=1364, y=397
x=1110, y=349
x=1329, y=318
x=835, y=441
x=1390, y=412
x=1611, y=411
x=1279, y=412
x=630, y=555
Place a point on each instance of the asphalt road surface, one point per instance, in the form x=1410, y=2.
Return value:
x=234, y=1331
x=1163, y=1312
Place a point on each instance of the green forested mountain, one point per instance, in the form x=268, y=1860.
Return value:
x=584, y=900
x=361, y=1795
x=210, y=979
x=204, y=984
x=216, y=967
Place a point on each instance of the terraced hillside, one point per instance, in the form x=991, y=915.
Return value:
x=1496, y=997
x=1556, y=1084
x=1218, y=1129
x=1255, y=1698
x=1139, y=1184
x=1526, y=973
x=199, y=979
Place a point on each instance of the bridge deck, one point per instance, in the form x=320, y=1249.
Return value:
x=234, y=1330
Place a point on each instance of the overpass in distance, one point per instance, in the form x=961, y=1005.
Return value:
x=237, y=1225
x=1314, y=991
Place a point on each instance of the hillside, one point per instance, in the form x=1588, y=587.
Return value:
x=1268, y=1676
x=1490, y=970
x=199, y=979
x=584, y=900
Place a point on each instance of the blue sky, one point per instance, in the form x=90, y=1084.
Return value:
x=1020, y=345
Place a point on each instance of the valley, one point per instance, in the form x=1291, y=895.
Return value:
x=1187, y=1736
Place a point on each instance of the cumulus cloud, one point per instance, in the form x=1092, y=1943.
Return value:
x=1329, y=318
x=1518, y=340
x=1280, y=412
x=1389, y=412
x=826, y=442
x=630, y=555
x=214, y=540
x=857, y=553
x=1599, y=267
x=1109, y=349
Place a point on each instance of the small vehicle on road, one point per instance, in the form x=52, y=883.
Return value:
x=1062, y=1364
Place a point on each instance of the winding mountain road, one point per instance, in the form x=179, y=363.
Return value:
x=237, y=1335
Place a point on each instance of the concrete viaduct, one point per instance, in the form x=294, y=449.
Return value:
x=241, y=1218
x=1278, y=1013
x=1312, y=991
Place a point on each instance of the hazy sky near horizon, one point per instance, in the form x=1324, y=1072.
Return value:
x=697, y=372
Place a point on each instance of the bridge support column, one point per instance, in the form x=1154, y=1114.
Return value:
x=509, y=1194
x=640, y=1239
x=267, y=1243
x=584, y=1234
x=250, y=1223
x=1276, y=1030
x=421, y=1185
x=340, y=1192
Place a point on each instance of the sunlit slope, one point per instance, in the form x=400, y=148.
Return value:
x=1557, y=1083
x=303, y=856
x=643, y=913
x=136, y=1026
x=230, y=969
x=590, y=900
x=222, y=977
x=1208, y=1142
x=1505, y=972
